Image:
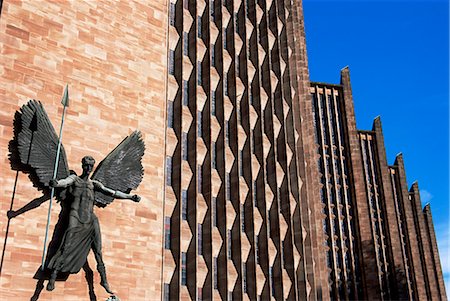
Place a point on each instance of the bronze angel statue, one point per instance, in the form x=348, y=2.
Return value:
x=33, y=150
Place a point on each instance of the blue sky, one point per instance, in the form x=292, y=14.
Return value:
x=398, y=54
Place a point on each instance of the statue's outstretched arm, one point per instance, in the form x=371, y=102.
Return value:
x=63, y=182
x=31, y=205
x=115, y=193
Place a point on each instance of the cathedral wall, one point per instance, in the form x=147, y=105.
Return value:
x=113, y=57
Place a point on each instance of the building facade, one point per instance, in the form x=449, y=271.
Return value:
x=377, y=241
x=257, y=184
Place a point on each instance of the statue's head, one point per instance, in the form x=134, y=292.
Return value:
x=87, y=163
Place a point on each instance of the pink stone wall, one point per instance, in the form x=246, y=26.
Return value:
x=113, y=57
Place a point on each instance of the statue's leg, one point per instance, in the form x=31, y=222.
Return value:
x=97, y=248
x=51, y=281
x=38, y=290
x=60, y=256
x=89, y=274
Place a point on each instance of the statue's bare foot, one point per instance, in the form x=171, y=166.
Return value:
x=51, y=285
x=106, y=287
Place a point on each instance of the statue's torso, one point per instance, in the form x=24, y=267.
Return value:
x=83, y=199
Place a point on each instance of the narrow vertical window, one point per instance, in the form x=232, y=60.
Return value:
x=255, y=194
x=271, y=280
x=241, y=163
x=186, y=43
x=243, y=217
x=332, y=119
x=186, y=4
x=213, y=102
x=199, y=27
x=185, y=93
x=167, y=233
x=228, y=186
x=324, y=222
x=257, y=248
x=171, y=62
x=225, y=39
x=227, y=132
x=166, y=292
x=200, y=240
x=239, y=115
x=199, y=178
x=247, y=8
x=315, y=110
x=236, y=22
x=214, y=211
x=172, y=14
x=214, y=155
x=254, y=141
x=323, y=119
x=250, y=97
x=199, y=124
x=230, y=296
x=184, y=204
x=183, y=268
x=199, y=73
x=170, y=114
x=229, y=244
x=169, y=171
x=329, y=261
x=213, y=55
x=216, y=280
x=211, y=9
x=185, y=146
x=225, y=83
x=244, y=277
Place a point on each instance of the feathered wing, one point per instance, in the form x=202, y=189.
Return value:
x=33, y=149
x=122, y=169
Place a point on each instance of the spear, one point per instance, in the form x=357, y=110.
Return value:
x=65, y=103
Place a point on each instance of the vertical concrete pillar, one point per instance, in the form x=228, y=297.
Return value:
x=314, y=285
x=398, y=281
x=424, y=247
x=368, y=263
x=440, y=287
x=416, y=262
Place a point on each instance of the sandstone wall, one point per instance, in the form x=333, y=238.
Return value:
x=113, y=57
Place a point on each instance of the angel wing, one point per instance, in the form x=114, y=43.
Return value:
x=122, y=169
x=34, y=146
